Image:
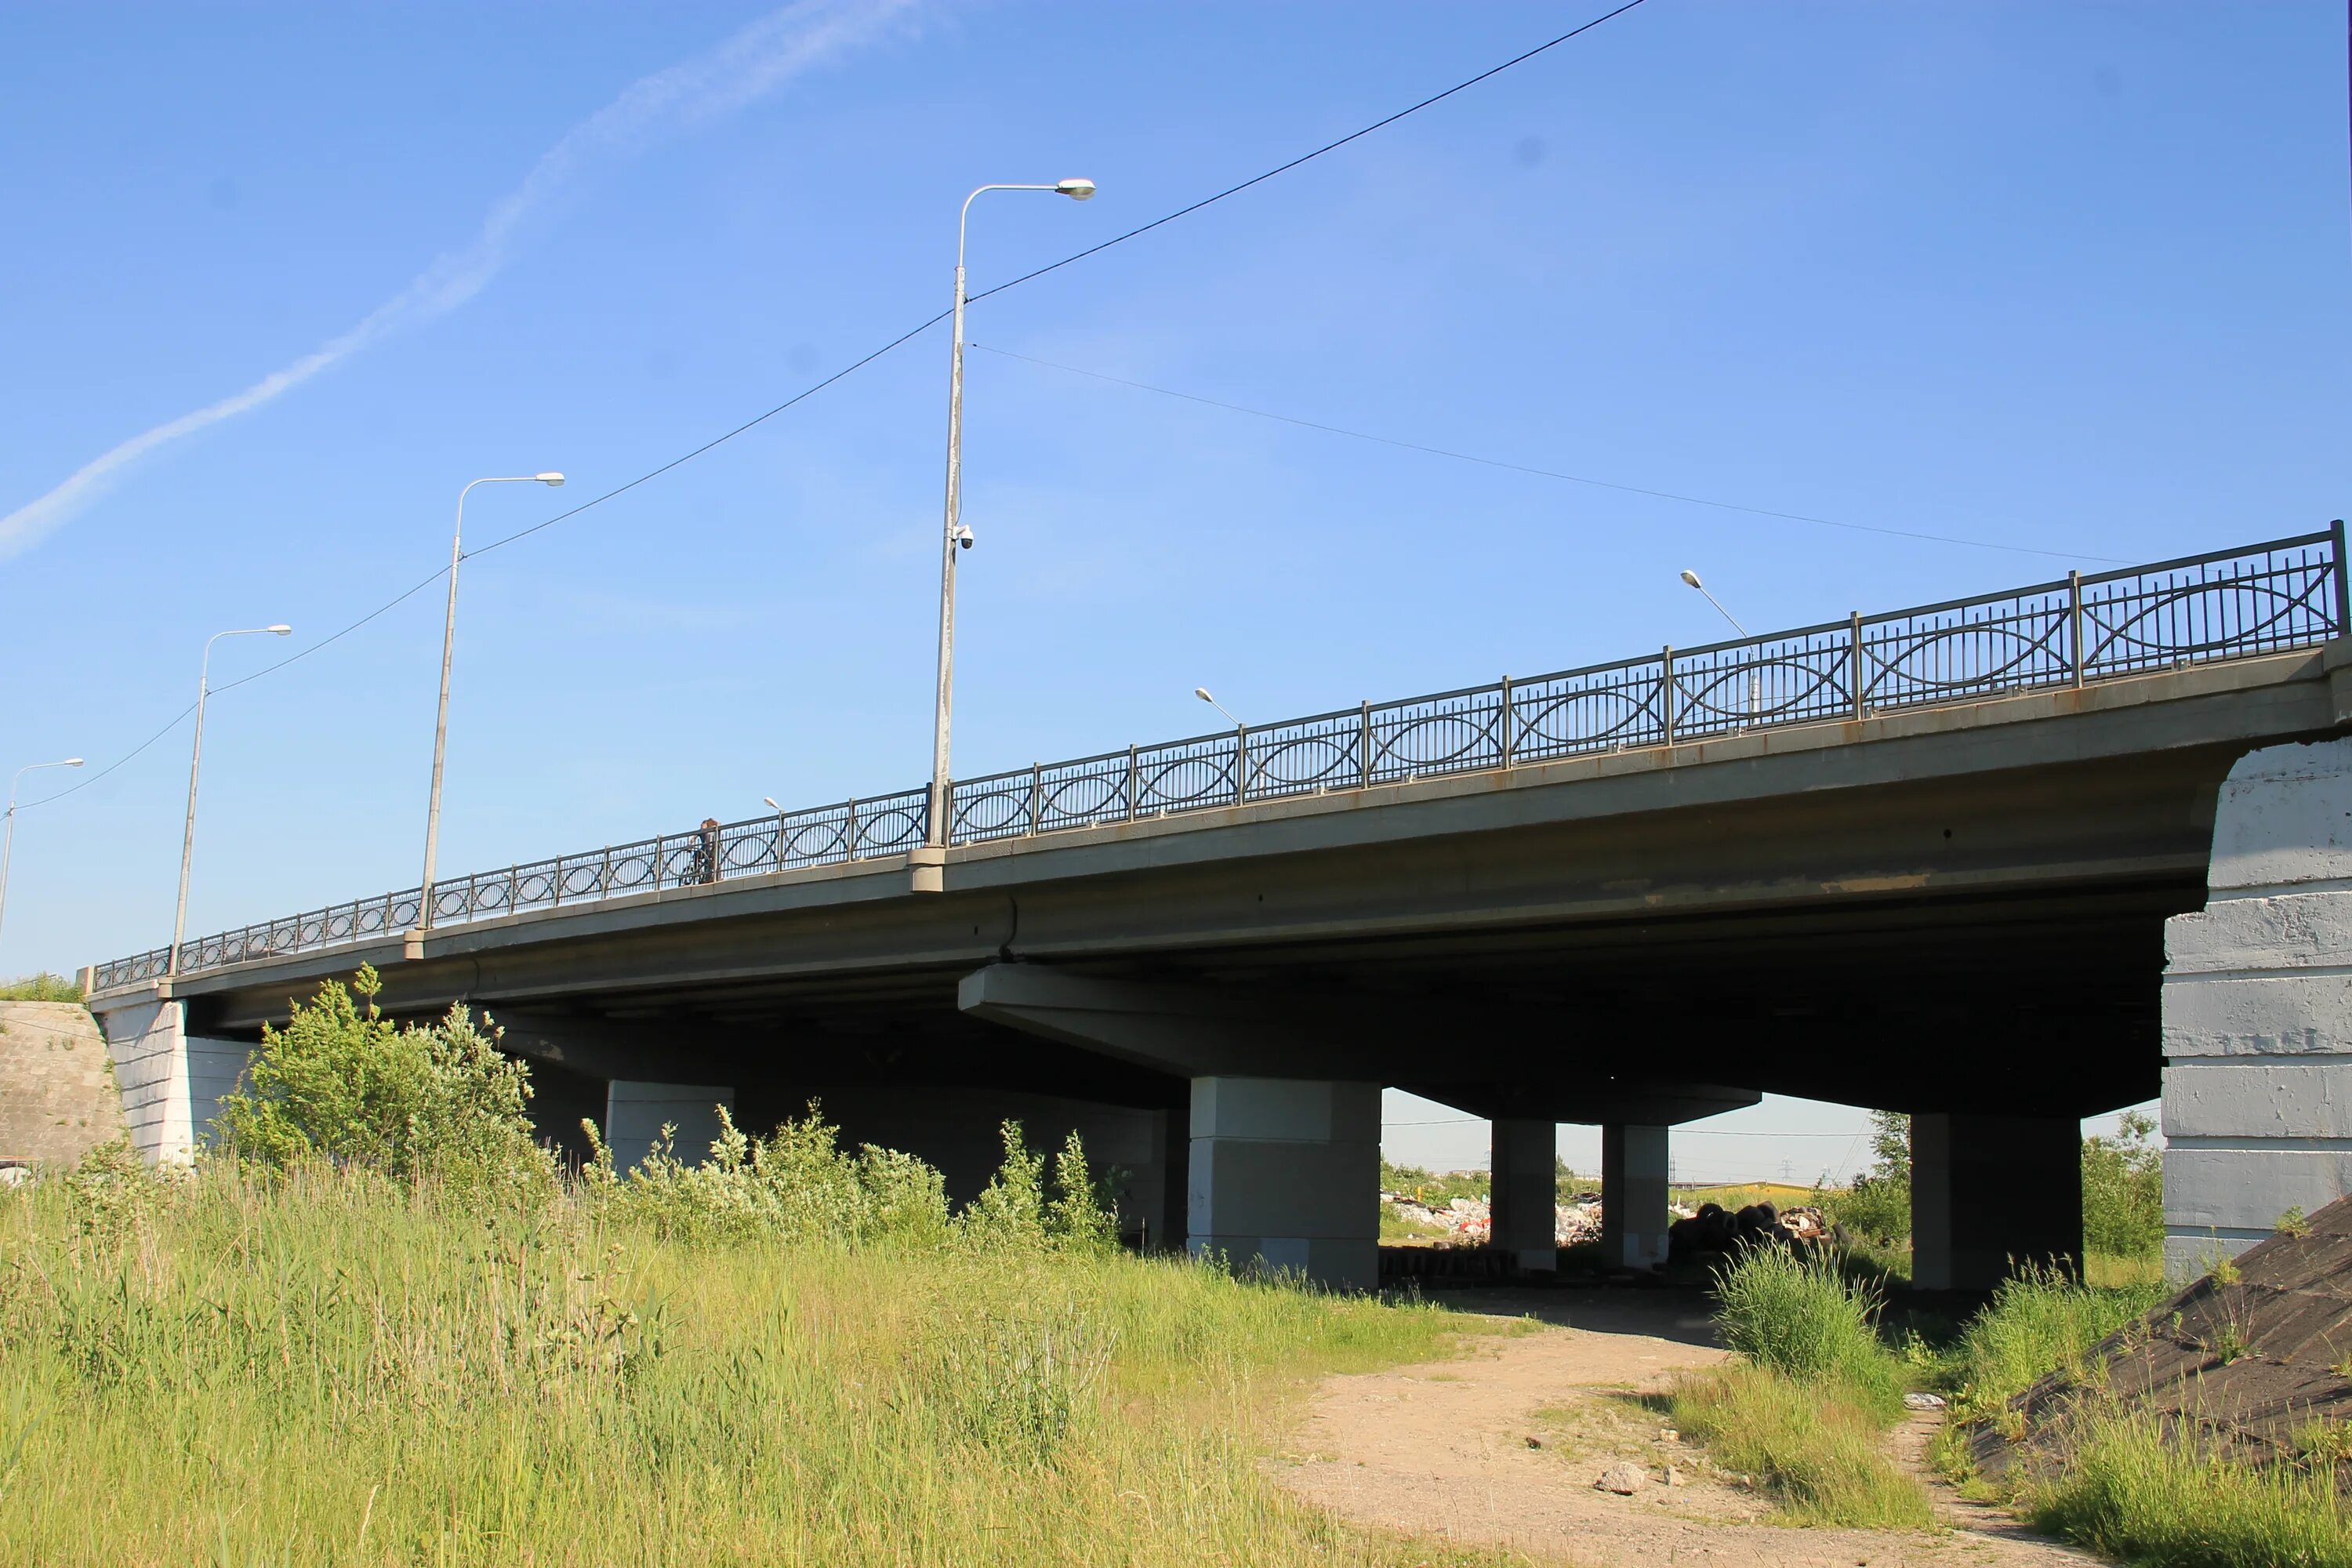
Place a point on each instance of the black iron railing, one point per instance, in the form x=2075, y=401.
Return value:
x=2235, y=603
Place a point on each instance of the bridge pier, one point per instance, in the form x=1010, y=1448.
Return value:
x=636, y=1110
x=1285, y=1174
x=1525, y=1168
x=1992, y=1192
x=172, y=1082
x=1633, y=1172
x=2258, y=1010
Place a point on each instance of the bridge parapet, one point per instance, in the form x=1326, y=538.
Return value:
x=2279, y=596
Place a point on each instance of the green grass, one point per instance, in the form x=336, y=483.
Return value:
x=1818, y=1448
x=335, y=1368
x=1808, y=1412
x=2036, y=1324
x=2129, y=1491
x=40, y=988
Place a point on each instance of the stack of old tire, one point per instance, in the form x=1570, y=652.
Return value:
x=1716, y=1233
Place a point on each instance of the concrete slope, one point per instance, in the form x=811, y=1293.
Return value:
x=58, y=1099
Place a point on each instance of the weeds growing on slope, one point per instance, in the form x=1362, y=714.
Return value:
x=1801, y=1314
x=2038, y=1322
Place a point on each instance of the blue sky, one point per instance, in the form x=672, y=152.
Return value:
x=2062, y=277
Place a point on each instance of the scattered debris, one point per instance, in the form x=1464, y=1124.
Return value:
x=1470, y=1222
x=1534, y=1441
x=1715, y=1231
x=1673, y=1477
x=1621, y=1478
x=1923, y=1402
x=1668, y=1435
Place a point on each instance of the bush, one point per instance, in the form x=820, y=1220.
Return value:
x=796, y=1184
x=2123, y=1191
x=41, y=987
x=1798, y=1314
x=351, y=1086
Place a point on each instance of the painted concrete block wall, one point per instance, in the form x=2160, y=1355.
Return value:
x=636, y=1111
x=1286, y=1172
x=2258, y=1010
x=172, y=1084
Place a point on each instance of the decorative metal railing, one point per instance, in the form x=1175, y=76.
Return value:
x=2266, y=598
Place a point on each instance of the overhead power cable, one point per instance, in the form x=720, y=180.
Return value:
x=1529, y=468
x=862, y=360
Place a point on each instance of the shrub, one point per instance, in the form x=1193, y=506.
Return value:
x=1800, y=1314
x=351, y=1086
x=796, y=1184
x=2123, y=1190
x=41, y=987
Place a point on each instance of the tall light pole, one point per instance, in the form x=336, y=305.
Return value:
x=1691, y=577
x=441, y=718
x=1203, y=693
x=196, y=763
x=8, y=837
x=956, y=535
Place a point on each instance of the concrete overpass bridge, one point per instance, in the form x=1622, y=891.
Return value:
x=1921, y=861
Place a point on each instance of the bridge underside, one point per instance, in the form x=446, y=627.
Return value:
x=1959, y=915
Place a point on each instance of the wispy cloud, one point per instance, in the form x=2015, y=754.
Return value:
x=718, y=82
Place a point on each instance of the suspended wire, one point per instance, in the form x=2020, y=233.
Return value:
x=858, y=365
x=1540, y=473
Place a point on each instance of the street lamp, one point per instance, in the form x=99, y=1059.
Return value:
x=8, y=838
x=441, y=719
x=195, y=762
x=1691, y=577
x=1203, y=693
x=956, y=536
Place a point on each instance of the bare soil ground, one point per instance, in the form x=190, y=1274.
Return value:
x=1501, y=1447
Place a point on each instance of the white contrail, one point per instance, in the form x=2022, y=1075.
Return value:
x=763, y=54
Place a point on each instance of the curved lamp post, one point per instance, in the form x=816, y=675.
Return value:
x=441, y=717
x=196, y=763
x=8, y=837
x=956, y=536
x=1691, y=577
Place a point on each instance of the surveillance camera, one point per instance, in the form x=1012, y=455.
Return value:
x=963, y=536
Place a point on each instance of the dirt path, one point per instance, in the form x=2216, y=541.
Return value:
x=1450, y=1449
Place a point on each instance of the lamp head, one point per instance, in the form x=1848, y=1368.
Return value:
x=281, y=630
x=1078, y=189
x=1691, y=577
x=73, y=762
x=772, y=805
x=1203, y=693
x=552, y=479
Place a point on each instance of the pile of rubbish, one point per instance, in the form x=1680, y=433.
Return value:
x=1470, y=1222
x=1715, y=1230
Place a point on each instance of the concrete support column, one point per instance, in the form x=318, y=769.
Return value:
x=1525, y=1170
x=172, y=1082
x=2258, y=1010
x=1286, y=1172
x=636, y=1111
x=1633, y=1194
x=1989, y=1192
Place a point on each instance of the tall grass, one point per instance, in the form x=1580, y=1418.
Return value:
x=42, y=988
x=2038, y=1324
x=1801, y=1314
x=329, y=1366
x=1810, y=1411
x=2130, y=1491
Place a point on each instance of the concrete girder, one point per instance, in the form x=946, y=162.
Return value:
x=1595, y=1099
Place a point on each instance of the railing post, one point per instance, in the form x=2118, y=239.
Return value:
x=1130, y=782
x=1506, y=721
x=849, y=831
x=1853, y=660
x=2343, y=585
x=1364, y=748
x=1241, y=764
x=2075, y=624
x=1036, y=790
x=661, y=859
x=1666, y=691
